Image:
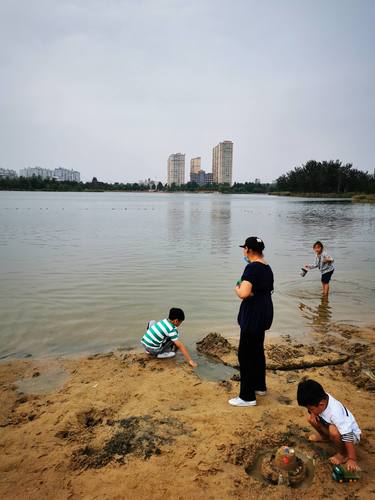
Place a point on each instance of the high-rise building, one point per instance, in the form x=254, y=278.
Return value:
x=222, y=163
x=195, y=165
x=176, y=169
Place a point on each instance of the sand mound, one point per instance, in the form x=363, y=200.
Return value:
x=279, y=356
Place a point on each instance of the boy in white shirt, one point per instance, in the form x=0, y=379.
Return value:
x=332, y=422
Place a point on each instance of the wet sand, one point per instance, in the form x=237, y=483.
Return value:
x=124, y=425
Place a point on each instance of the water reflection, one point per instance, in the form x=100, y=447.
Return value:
x=318, y=318
x=220, y=227
x=176, y=219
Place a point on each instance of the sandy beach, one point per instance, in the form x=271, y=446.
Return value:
x=124, y=425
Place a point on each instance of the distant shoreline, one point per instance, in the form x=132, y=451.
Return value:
x=354, y=197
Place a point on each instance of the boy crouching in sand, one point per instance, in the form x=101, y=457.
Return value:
x=332, y=422
x=162, y=337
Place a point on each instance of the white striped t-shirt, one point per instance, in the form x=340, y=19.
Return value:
x=157, y=333
x=342, y=418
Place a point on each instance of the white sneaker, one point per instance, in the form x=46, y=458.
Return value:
x=164, y=355
x=260, y=393
x=241, y=402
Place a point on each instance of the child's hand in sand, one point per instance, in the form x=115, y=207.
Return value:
x=193, y=364
x=351, y=465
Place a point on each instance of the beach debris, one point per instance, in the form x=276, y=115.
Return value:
x=284, y=400
x=142, y=436
x=225, y=384
x=90, y=418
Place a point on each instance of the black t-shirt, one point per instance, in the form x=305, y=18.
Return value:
x=256, y=312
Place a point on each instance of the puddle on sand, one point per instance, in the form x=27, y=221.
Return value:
x=255, y=470
x=48, y=381
x=209, y=369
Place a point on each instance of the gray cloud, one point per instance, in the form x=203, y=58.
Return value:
x=111, y=88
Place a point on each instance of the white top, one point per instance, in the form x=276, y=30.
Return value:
x=325, y=267
x=342, y=418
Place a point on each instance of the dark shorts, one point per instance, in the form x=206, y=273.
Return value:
x=326, y=277
x=166, y=346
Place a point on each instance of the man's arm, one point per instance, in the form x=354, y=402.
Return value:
x=185, y=353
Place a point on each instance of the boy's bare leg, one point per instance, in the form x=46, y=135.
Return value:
x=322, y=432
x=325, y=288
x=341, y=456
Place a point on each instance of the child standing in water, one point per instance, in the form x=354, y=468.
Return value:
x=324, y=263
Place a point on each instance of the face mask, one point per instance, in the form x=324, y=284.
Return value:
x=246, y=260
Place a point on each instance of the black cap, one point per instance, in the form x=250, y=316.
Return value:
x=253, y=243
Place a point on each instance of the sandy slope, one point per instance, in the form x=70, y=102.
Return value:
x=128, y=426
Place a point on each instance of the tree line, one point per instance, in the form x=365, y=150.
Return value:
x=38, y=184
x=326, y=177
x=313, y=177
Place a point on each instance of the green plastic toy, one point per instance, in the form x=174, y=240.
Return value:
x=341, y=475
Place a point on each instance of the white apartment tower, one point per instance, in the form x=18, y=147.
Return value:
x=176, y=169
x=222, y=163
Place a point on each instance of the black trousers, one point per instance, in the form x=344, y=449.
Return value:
x=252, y=364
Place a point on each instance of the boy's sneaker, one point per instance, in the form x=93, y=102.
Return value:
x=164, y=355
x=241, y=402
x=260, y=393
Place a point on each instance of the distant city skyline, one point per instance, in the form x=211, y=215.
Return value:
x=222, y=167
x=59, y=173
x=111, y=90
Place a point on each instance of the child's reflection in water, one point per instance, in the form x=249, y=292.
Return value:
x=320, y=316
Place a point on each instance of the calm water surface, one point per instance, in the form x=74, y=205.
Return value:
x=83, y=272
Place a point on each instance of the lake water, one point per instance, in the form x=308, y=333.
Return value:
x=84, y=272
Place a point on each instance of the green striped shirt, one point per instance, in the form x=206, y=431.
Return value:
x=157, y=333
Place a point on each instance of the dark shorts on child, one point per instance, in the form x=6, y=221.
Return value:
x=326, y=277
x=166, y=346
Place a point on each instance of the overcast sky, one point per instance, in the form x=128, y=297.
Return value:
x=112, y=87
